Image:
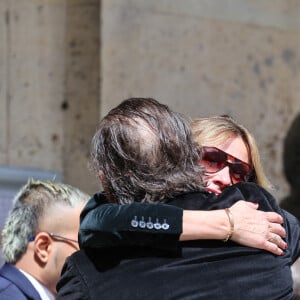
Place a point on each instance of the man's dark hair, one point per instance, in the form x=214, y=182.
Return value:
x=145, y=152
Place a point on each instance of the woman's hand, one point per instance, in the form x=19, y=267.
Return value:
x=257, y=228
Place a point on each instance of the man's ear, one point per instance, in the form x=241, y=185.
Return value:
x=42, y=247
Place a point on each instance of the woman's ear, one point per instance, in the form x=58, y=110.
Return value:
x=42, y=247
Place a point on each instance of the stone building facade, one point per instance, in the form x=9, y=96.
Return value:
x=65, y=63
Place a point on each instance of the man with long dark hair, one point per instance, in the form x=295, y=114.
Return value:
x=143, y=151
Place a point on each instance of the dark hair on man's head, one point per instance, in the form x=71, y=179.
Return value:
x=145, y=152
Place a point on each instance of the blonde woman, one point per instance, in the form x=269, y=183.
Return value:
x=225, y=134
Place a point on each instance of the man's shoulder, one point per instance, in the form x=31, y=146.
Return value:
x=192, y=200
x=14, y=285
x=8, y=288
x=74, y=281
x=8, y=272
x=77, y=261
x=242, y=191
x=4, y=283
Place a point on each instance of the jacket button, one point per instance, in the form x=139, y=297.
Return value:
x=142, y=224
x=165, y=226
x=134, y=223
x=149, y=224
x=157, y=225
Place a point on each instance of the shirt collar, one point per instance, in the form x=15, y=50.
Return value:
x=44, y=293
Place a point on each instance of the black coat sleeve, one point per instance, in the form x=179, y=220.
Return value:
x=106, y=225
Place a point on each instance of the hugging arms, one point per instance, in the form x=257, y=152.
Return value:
x=257, y=221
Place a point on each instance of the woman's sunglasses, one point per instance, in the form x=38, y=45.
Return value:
x=214, y=160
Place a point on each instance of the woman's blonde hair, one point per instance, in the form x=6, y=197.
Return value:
x=215, y=130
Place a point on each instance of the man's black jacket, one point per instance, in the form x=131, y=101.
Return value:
x=193, y=270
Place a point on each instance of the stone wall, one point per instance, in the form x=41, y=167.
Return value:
x=65, y=63
x=49, y=68
x=209, y=57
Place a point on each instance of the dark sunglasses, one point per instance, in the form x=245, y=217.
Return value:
x=214, y=160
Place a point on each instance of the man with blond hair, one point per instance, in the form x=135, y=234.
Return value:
x=39, y=233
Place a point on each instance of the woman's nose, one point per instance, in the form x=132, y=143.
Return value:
x=223, y=178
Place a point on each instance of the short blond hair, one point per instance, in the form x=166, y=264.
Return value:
x=31, y=203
